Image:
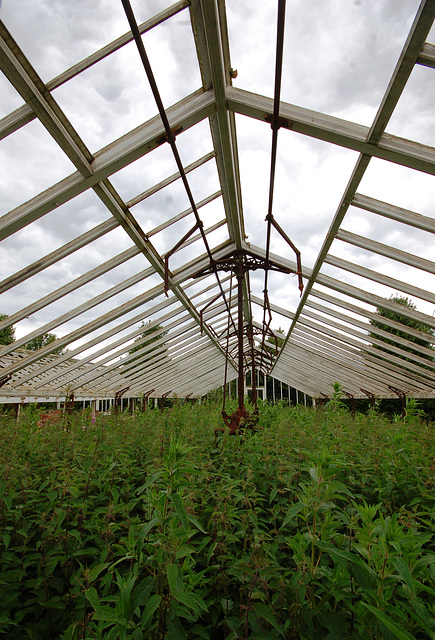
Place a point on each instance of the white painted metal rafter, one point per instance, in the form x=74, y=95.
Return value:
x=331, y=340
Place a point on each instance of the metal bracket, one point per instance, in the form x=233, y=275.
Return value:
x=118, y=396
x=371, y=396
x=5, y=379
x=169, y=137
x=402, y=396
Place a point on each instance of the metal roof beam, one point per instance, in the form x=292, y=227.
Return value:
x=394, y=213
x=372, y=329
x=349, y=290
x=356, y=347
x=334, y=130
x=211, y=38
x=142, y=357
x=180, y=275
x=109, y=160
x=409, y=363
x=374, y=276
x=25, y=114
x=408, y=58
x=53, y=257
x=371, y=315
x=85, y=306
x=102, y=268
x=373, y=299
x=174, y=375
x=386, y=251
x=427, y=56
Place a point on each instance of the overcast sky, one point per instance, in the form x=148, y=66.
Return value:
x=338, y=58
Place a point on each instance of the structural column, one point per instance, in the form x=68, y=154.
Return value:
x=241, y=379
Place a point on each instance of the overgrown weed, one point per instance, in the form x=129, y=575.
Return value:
x=317, y=525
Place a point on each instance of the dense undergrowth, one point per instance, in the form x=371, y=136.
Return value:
x=319, y=525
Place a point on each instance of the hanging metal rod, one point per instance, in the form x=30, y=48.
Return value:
x=170, y=134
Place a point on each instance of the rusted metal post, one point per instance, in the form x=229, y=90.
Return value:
x=352, y=402
x=241, y=378
x=118, y=396
x=371, y=397
x=163, y=398
x=145, y=399
x=402, y=396
x=253, y=371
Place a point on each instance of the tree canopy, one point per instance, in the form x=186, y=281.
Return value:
x=396, y=316
x=153, y=332
x=7, y=335
x=41, y=341
x=274, y=342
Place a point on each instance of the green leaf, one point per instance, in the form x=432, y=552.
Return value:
x=196, y=523
x=388, y=623
x=292, y=512
x=192, y=601
x=265, y=612
x=95, y=571
x=200, y=632
x=313, y=474
x=141, y=592
x=184, y=550
x=174, y=579
x=175, y=630
x=179, y=508
x=145, y=531
x=150, y=607
x=363, y=576
x=92, y=596
x=337, y=554
x=150, y=481
x=404, y=573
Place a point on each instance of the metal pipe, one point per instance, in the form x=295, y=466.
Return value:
x=241, y=378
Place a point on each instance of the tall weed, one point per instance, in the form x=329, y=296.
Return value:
x=150, y=526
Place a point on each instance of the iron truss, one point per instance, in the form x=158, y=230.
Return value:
x=174, y=275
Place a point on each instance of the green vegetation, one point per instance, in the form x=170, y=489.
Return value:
x=7, y=335
x=406, y=322
x=41, y=341
x=152, y=334
x=316, y=526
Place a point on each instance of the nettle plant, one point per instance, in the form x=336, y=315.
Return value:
x=320, y=524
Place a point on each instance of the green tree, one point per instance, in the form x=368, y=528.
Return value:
x=155, y=333
x=7, y=335
x=273, y=341
x=396, y=316
x=41, y=341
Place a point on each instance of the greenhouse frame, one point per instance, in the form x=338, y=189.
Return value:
x=142, y=248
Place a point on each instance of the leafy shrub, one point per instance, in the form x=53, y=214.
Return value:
x=316, y=526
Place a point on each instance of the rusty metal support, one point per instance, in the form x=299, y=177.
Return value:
x=198, y=225
x=145, y=398
x=118, y=396
x=201, y=313
x=402, y=396
x=241, y=376
x=283, y=234
x=69, y=403
x=169, y=137
x=5, y=379
x=352, y=401
x=322, y=399
x=371, y=397
x=250, y=333
x=163, y=398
